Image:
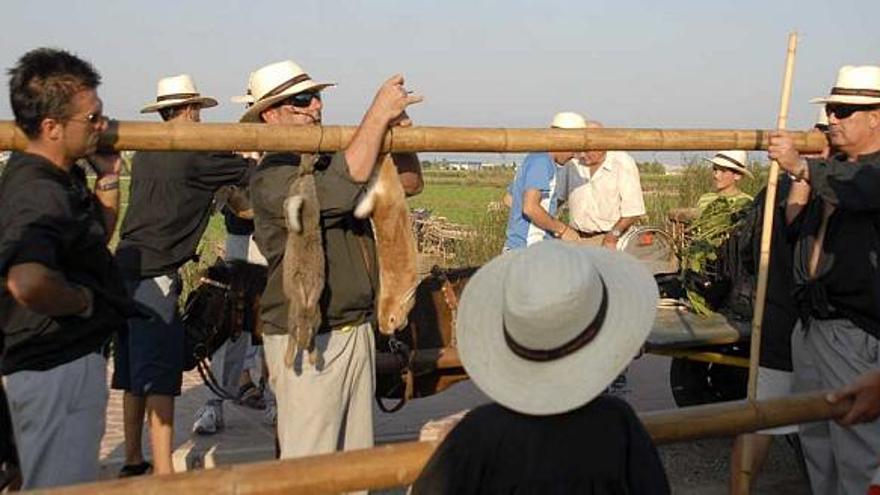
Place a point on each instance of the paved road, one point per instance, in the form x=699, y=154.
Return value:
x=699, y=467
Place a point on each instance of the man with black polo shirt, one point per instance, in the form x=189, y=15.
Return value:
x=836, y=224
x=169, y=207
x=61, y=296
x=326, y=405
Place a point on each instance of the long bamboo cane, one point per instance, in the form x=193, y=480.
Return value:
x=746, y=454
x=123, y=135
x=395, y=465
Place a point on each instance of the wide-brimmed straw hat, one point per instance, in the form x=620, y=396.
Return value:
x=175, y=91
x=270, y=84
x=856, y=85
x=735, y=160
x=821, y=119
x=545, y=329
x=568, y=120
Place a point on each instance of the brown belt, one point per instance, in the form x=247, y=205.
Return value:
x=587, y=235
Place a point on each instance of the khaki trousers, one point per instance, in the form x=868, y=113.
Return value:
x=327, y=407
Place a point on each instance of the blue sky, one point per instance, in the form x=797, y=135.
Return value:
x=711, y=64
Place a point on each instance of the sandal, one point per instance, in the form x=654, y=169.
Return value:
x=249, y=395
x=130, y=470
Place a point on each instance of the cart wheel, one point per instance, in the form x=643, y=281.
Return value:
x=694, y=382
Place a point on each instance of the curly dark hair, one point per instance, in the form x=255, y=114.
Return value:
x=42, y=85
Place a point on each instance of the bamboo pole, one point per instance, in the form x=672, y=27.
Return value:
x=123, y=135
x=746, y=454
x=399, y=464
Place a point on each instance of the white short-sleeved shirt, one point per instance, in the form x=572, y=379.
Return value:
x=596, y=203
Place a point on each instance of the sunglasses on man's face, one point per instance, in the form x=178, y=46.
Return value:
x=91, y=119
x=302, y=100
x=845, y=111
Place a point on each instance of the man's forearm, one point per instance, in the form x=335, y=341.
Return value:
x=107, y=193
x=46, y=291
x=365, y=145
x=624, y=223
x=542, y=219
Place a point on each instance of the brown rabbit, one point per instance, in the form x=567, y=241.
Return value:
x=385, y=203
x=303, y=263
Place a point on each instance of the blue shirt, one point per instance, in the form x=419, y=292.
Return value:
x=538, y=171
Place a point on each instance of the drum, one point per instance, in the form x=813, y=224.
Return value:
x=651, y=245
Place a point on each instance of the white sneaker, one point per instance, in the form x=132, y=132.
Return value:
x=270, y=414
x=209, y=419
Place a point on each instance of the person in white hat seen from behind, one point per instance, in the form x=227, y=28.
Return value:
x=171, y=198
x=836, y=274
x=326, y=405
x=603, y=193
x=542, y=331
x=532, y=196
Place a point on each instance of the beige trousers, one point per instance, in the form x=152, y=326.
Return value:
x=327, y=407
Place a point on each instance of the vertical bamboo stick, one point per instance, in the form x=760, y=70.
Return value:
x=745, y=474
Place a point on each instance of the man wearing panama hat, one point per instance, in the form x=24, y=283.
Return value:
x=836, y=273
x=325, y=405
x=542, y=331
x=170, y=203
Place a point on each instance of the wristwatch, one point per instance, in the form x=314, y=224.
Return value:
x=615, y=233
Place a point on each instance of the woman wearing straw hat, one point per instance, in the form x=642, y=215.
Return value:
x=542, y=331
x=169, y=207
x=728, y=169
x=837, y=275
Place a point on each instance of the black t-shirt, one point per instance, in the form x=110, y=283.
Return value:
x=170, y=205
x=600, y=448
x=50, y=217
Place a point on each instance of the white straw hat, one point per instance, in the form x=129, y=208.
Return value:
x=735, y=160
x=275, y=82
x=821, y=118
x=568, y=120
x=545, y=329
x=856, y=85
x=175, y=91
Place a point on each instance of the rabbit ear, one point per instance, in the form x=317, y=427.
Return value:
x=367, y=203
x=293, y=212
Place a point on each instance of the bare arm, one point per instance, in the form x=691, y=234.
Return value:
x=46, y=291
x=798, y=197
x=539, y=216
x=389, y=103
x=507, y=200
x=108, y=168
x=610, y=240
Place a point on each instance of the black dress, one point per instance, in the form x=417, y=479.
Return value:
x=600, y=448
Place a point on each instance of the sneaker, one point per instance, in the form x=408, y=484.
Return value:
x=209, y=419
x=270, y=414
x=130, y=470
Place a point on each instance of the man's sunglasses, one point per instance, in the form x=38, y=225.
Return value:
x=301, y=100
x=845, y=111
x=91, y=119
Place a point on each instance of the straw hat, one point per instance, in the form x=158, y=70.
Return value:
x=568, y=120
x=275, y=82
x=545, y=329
x=856, y=85
x=177, y=90
x=821, y=119
x=735, y=160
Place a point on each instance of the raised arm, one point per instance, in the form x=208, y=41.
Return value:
x=388, y=105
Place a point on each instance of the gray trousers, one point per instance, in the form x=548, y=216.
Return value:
x=227, y=363
x=327, y=409
x=58, y=421
x=829, y=355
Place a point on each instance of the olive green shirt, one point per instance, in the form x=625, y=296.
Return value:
x=351, y=277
